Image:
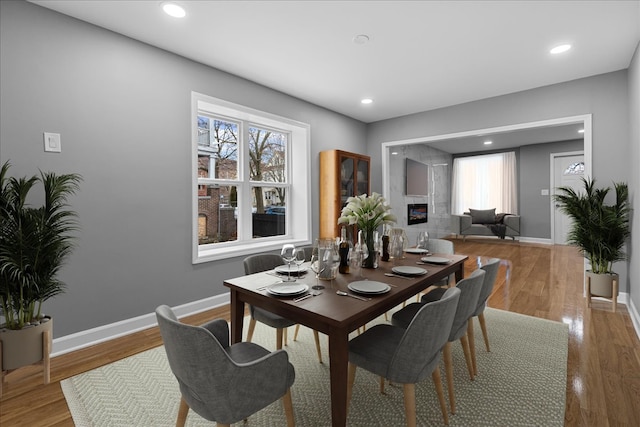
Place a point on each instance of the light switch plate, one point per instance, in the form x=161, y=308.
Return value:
x=544, y=192
x=52, y=142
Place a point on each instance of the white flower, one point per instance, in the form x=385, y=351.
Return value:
x=367, y=212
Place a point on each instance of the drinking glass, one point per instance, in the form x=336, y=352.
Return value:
x=315, y=267
x=299, y=259
x=422, y=241
x=288, y=254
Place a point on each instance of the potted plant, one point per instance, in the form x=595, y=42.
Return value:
x=35, y=241
x=600, y=230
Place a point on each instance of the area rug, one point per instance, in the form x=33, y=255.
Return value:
x=521, y=382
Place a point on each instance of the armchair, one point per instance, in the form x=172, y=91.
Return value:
x=223, y=383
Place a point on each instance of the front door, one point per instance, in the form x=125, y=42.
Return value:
x=568, y=172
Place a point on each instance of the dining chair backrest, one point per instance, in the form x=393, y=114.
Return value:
x=491, y=270
x=419, y=349
x=308, y=252
x=261, y=262
x=200, y=364
x=470, y=288
x=440, y=246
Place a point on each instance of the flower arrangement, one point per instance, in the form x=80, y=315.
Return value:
x=367, y=212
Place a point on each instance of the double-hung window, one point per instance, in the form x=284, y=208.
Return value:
x=251, y=183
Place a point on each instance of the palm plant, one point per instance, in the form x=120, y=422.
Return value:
x=598, y=229
x=34, y=243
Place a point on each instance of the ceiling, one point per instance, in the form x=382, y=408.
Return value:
x=421, y=55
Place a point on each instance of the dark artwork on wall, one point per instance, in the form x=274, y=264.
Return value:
x=417, y=213
x=416, y=178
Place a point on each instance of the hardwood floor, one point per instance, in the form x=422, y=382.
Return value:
x=603, y=375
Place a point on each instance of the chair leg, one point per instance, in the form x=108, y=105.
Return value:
x=437, y=382
x=382, y=385
x=285, y=335
x=278, y=338
x=252, y=327
x=472, y=346
x=182, y=413
x=448, y=368
x=351, y=378
x=316, y=337
x=288, y=408
x=467, y=355
x=483, y=326
x=295, y=333
x=410, y=404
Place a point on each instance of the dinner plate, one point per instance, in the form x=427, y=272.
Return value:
x=435, y=260
x=287, y=289
x=283, y=269
x=408, y=270
x=369, y=287
x=418, y=251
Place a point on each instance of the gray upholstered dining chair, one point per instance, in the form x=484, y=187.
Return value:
x=256, y=264
x=221, y=382
x=470, y=288
x=439, y=246
x=491, y=268
x=407, y=356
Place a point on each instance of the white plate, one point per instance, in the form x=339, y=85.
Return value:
x=418, y=251
x=283, y=269
x=435, y=260
x=369, y=287
x=287, y=289
x=408, y=270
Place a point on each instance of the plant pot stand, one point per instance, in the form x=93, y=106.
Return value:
x=614, y=292
x=10, y=374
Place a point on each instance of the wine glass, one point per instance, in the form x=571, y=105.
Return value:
x=288, y=254
x=299, y=259
x=422, y=241
x=315, y=267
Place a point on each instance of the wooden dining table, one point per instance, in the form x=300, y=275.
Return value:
x=335, y=315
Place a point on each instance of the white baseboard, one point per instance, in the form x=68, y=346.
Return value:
x=635, y=316
x=104, y=333
x=536, y=240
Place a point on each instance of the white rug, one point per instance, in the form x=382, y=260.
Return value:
x=522, y=382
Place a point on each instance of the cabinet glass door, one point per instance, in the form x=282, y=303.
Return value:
x=362, y=177
x=347, y=174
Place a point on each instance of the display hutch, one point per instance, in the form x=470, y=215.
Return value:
x=342, y=175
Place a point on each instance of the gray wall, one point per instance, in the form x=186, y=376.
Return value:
x=123, y=110
x=534, y=172
x=605, y=96
x=439, y=179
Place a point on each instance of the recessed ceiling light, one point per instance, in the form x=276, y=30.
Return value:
x=581, y=131
x=395, y=153
x=488, y=142
x=174, y=10
x=366, y=101
x=361, y=39
x=560, y=49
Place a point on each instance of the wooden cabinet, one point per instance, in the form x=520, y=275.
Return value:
x=342, y=175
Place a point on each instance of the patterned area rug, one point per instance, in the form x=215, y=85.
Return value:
x=521, y=382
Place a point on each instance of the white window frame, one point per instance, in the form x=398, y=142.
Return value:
x=298, y=219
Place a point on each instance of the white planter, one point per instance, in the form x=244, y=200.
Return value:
x=602, y=284
x=23, y=347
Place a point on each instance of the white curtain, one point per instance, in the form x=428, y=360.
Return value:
x=485, y=182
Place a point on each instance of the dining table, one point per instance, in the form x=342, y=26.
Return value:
x=338, y=315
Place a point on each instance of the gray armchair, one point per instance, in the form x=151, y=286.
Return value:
x=407, y=356
x=223, y=383
x=263, y=262
x=470, y=290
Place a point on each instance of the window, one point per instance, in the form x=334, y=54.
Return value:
x=485, y=182
x=251, y=186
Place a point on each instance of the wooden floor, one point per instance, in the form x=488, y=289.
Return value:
x=603, y=381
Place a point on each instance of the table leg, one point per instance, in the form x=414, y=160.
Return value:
x=338, y=367
x=237, y=317
x=460, y=272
